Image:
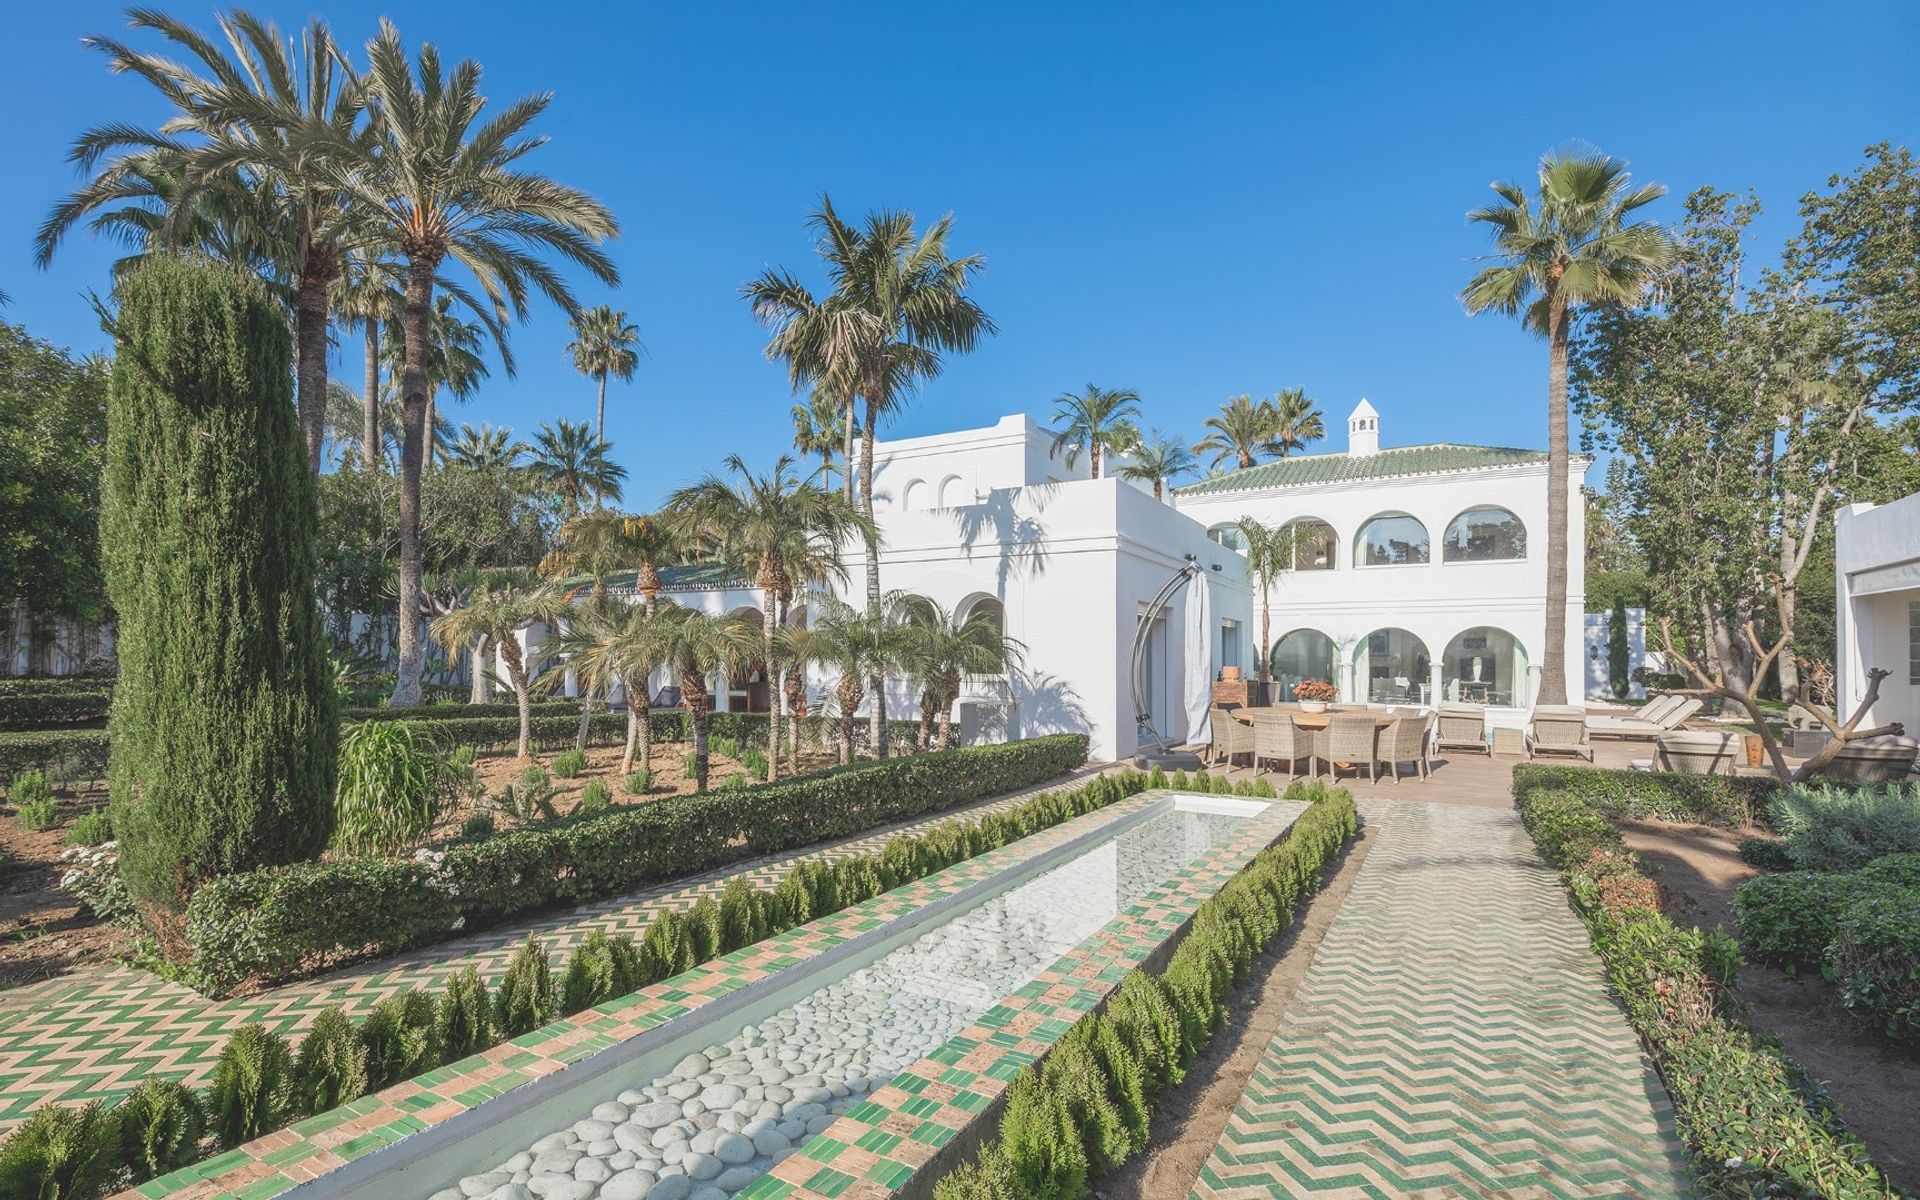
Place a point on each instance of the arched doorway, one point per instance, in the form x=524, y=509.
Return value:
x=1485, y=665
x=1300, y=655
x=747, y=689
x=1393, y=667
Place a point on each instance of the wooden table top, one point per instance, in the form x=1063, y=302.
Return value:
x=1311, y=720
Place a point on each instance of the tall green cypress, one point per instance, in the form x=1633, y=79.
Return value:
x=224, y=726
x=1618, y=651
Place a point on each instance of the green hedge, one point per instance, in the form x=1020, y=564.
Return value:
x=265, y=926
x=69, y=755
x=1666, y=796
x=50, y=710
x=1753, y=1122
x=1085, y=1108
x=54, y=685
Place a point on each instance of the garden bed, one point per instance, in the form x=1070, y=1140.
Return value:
x=44, y=929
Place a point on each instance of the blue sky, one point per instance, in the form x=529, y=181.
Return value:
x=1190, y=200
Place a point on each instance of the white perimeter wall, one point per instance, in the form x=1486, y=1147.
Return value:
x=1877, y=579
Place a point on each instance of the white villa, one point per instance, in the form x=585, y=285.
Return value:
x=1419, y=577
x=1877, y=609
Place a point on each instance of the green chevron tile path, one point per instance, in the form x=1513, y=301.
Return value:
x=1453, y=1037
x=96, y=1034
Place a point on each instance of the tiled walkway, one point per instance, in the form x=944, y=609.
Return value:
x=1453, y=1037
x=97, y=1034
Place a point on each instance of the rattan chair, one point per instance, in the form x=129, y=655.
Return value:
x=1558, y=729
x=1873, y=760
x=1406, y=740
x=1352, y=739
x=1461, y=727
x=1230, y=737
x=1276, y=738
x=1697, y=753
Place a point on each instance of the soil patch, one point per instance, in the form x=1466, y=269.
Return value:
x=45, y=931
x=1188, y=1121
x=1874, y=1082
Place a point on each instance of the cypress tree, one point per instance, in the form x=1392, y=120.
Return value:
x=224, y=725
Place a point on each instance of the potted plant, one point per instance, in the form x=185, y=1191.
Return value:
x=1313, y=694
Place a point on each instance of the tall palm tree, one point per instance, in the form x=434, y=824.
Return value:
x=1269, y=551
x=898, y=304
x=604, y=343
x=281, y=113
x=1295, y=421
x=854, y=644
x=1573, y=243
x=1243, y=431
x=455, y=362
x=497, y=612
x=573, y=464
x=1096, y=419
x=442, y=182
x=816, y=430
x=692, y=646
x=368, y=295
x=1159, y=459
x=939, y=652
x=488, y=448
x=620, y=644
x=770, y=525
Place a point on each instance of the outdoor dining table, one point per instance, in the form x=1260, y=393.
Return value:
x=1303, y=719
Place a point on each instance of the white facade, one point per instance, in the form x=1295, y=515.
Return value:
x=1877, y=609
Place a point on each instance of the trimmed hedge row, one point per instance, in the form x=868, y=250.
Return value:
x=69, y=755
x=1752, y=1121
x=266, y=926
x=1085, y=1108
x=46, y=710
x=51, y=685
x=1663, y=795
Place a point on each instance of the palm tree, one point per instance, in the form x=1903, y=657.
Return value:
x=588, y=545
x=854, y=644
x=443, y=183
x=1269, y=551
x=368, y=295
x=496, y=612
x=454, y=356
x=1096, y=419
x=939, y=652
x=693, y=645
x=278, y=112
x=898, y=304
x=770, y=525
x=488, y=448
x=1295, y=421
x=1579, y=246
x=816, y=430
x=1242, y=431
x=604, y=343
x=619, y=644
x=573, y=465
x=1159, y=459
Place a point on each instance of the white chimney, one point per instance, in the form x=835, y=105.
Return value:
x=1363, y=431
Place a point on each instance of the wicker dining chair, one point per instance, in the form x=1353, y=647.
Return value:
x=1277, y=738
x=1406, y=740
x=1353, y=740
x=1230, y=737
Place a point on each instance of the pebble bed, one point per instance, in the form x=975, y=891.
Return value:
x=722, y=1117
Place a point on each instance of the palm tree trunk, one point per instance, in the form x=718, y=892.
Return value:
x=413, y=414
x=877, y=683
x=849, y=701
x=1093, y=460
x=946, y=726
x=1553, y=672
x=694, y=688
x=846, y=459
x=1156, y=491
x=480, y=688
x=1266, y=642
x=517, y=674
x=310, y=355
x=433, y=422
x=923, y=738
x=370, y=431
x=769, y=616
x=637, y=716
x=600, y=411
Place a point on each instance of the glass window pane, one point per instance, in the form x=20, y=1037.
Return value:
x=1302, y=654
x=1396, y=668
x=1485, y=535
x=1391, y=541
x=1312, y=545
x=1228, y=536
x=1484, y=666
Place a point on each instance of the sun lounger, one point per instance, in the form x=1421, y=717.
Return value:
x=1558, y=729
x=1641, y=727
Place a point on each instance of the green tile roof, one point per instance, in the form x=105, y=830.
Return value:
x=688, y=575
x=1309, y=469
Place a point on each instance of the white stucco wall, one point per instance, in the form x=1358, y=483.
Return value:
x=1877, y=581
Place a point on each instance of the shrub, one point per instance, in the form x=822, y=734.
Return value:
x=478, y=827
x=1831, y=828
x=32, y=800
x=990, y=1177
x=1040, y=1142
x=1768, y=854
x=703, y=929
x=601, y=968
x=93, y=875
x=667, y=949
x=399, y=1036
x=1073, y=1074
x=1875, y=955
x=1667, y=796
x=741, y=919
x=1789, y=918
x=463, y=1020
x=61, y=1152
x=1144, y=1017
x=595, y=799
x=251, y=1087
x=331, y=1068
x=393, y=785
x=568, y=763
x=639, y=783
x=90, y=829
x=207, y=513
x=70, y=754
x=37, y=710
x=525, y=1000
x=161, y=1124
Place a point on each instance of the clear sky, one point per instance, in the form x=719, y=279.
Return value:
x=1191, y=200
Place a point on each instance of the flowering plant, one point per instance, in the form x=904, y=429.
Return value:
x=1313, y=689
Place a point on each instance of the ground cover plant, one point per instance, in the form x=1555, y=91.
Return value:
x=1832, y=828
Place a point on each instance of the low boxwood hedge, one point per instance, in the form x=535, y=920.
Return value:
x=270, y=925
x=68, y=755
x=51, y=710
x=1666, y=796
x=1752, y=1121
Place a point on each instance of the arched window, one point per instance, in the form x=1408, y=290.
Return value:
x=1484, y=535
x=1394, y=667
x=1228, y=534
x=1301, y=654
x=952, y=493
x=914, y=495
x=1313, y=543
x=1485, y=665
x=1391, y=540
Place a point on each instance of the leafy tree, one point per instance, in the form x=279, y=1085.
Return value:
x=898, y=304
x=1095, y=419
x=1574, y=244
x=1159, y=459
x=1243, y=431
x=604, y=343
x=207, y=534
x=1295, y=421
x=573, y=464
